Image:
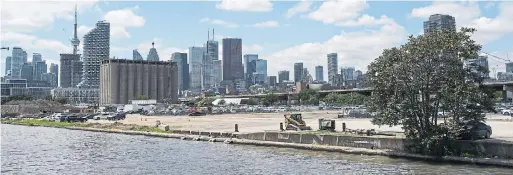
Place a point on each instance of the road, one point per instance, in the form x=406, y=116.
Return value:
x=502, y=126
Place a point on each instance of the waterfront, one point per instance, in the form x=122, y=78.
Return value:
x=39, y=150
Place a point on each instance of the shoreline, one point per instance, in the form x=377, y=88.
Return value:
x=313, y=147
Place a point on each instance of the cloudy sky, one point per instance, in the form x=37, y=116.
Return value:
x=283, y=32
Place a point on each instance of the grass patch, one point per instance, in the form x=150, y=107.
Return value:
x=115, y=125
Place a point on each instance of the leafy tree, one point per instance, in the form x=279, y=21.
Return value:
x=221, y=102
x=412, y=82
x=270, y=99
x=252, y=101
x=141, y=97
x=346, y=99
x=498, y=96
x=309, y=96
x=17, y=97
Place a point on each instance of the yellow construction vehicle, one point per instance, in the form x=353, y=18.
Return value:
x=295, y=122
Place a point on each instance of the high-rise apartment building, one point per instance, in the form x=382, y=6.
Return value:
x=124, y=80
x=195, y=67
x=298, y=72
x=439, y=22
x=283, y=75
x=36, y=57
x=39, y=69
x=260, y=74
x=272, y=81
x=250, y=68
x=319, y=74
x=182, y=69
x=153, y=55
x=50, y=78
x=481, y=62
x=8, y=65
x=96, y=49
x=332, y=69
x=71, y=70
x=17, y=61
x=232, y=59
x=348, y=73
x=136, y=55
x=27, y=71
x=54, y=68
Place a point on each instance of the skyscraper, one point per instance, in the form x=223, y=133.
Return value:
x=17, y=61
x=195, y=60
x=439, y=22
x=71, y=70
x=272, y=81
x=217, y=72
x=49, y=77
x=232, y=59
x=183, y=70
x=8, y=65
x=211, y=54
x=153, y=55
x=283, y=75
x=332, y=69
x=39, y=69
x=250, y=68
x=260, y=74
x=136, y=55
x=36, y=57
x=54, y=68
x=27, y=71
x=319, y=74
x=481, y=62
x=298, y=72
x=96, y=49
x=24, y=56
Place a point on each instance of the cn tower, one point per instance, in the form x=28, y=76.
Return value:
x=75, y=42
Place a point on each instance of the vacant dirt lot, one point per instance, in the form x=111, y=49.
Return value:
x=502, y=126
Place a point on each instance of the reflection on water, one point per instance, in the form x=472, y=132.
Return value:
x=38, y=150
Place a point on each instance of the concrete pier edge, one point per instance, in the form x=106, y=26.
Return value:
x=313, y=147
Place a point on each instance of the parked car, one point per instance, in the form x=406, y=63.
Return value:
x=476, y=130
x=506, y=112
x=72, y=118
x=117, y=116
x=103, y=116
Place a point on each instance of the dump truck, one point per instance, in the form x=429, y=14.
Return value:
x=295, y=122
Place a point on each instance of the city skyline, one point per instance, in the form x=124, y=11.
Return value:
x=280, y=24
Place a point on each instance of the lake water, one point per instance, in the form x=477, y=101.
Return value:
x=40, y=150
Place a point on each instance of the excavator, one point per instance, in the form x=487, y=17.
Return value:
x=295, y=122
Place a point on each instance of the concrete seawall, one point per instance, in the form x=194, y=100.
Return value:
x=484, y=148
x=357, y=145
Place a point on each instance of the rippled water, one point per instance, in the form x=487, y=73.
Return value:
x=38, y=150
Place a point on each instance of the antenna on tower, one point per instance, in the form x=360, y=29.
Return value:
x=208, y=35
x=213, y=30
x=153, y=44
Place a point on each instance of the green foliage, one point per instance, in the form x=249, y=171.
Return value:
x=350, y=99
x=270, y=99
x=141, y=97
x=497, y=95
x=222, y=102
x=252, y=101
x=18, y=97
x=412, y=82
x=309, y=96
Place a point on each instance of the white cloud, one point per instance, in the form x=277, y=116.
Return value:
x=22, y=16
x=254, y=48
x=81, y=30
x=366, y=20
x=301, y=7
x=32, y=42
x=469, y=15
x=120, y=20
x=219, y=22
x=338, y=11
x=356, y=49
x=245, y=5
x=266, y=24
x=163, y=51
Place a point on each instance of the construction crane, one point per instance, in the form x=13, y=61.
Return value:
x=5, y=48
x=497, y=56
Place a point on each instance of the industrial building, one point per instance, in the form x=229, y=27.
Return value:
x=124, y=80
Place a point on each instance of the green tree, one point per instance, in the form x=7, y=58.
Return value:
x=498, y=96
x=141, y=97
x=349, y=99
x=412, y=82
x=269, y=99
x=17, y=97
x=309, y=96
x=221, y=102
x=252, y=101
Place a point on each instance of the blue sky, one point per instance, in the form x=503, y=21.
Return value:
x=283, y=32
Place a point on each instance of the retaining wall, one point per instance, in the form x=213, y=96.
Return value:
x=480, y=148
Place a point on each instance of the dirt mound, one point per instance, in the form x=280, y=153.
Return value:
x=32, y=107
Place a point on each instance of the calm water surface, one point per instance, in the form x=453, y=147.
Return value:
x=39, y=150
